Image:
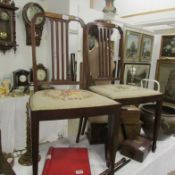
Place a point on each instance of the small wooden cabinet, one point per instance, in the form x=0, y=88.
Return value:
x=7, y=26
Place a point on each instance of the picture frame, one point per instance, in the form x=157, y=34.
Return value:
x=167, y=46
x=135, y=72
x=132, y=46
x=146, y=48
x=165, y=74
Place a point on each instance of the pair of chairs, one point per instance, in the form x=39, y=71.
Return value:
x=88, y=101
x=56, y=104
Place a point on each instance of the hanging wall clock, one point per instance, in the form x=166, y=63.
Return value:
x=29, y=11
x=7, y=26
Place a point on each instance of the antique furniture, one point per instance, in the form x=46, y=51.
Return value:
x=7, y=26
x=57, y=104
x=29, y=10
x=5, y=167
x=100, y=72
x=137, y=148
x=150, y=83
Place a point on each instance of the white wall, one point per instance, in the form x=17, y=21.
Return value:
x=22, y=59
x=58, y=6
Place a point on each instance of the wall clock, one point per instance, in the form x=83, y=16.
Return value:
x=7, y=26
x=28, y=12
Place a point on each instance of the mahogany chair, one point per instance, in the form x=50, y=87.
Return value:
x=99, y=70
x=57, y=104
x=5, y=167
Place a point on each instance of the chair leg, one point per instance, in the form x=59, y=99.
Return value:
x=84, y=126
x=79, y=129
x=35, y=143
x=112, y=140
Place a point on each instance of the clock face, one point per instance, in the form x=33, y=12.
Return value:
x=4, y=16
x=30, y=10
x=22, y=78
x=41, y=74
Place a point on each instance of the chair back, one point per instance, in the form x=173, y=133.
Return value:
x=149, y=83
x=100, y=59
x=60, y=40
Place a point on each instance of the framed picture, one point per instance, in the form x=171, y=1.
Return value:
x=135, y=72
x=146, y=48
x=167, y=46
x=165, y=74
x=132, y=46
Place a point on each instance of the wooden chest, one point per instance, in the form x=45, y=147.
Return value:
x=97, y=126
x=137, y=148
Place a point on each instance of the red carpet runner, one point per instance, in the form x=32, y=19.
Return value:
x=67, y=161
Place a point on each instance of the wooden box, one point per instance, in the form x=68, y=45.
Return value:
x=97, y=133
x=97, y=126
x=137, y=148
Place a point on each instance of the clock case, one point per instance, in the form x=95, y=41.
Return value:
x=27, y=22
x=7, y=27
x=16, y=78
x=39, y=67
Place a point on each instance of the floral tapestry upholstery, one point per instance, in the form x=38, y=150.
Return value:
x=120, y=91
x=62, y=99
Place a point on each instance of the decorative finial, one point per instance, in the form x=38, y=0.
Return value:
x=109, y=8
